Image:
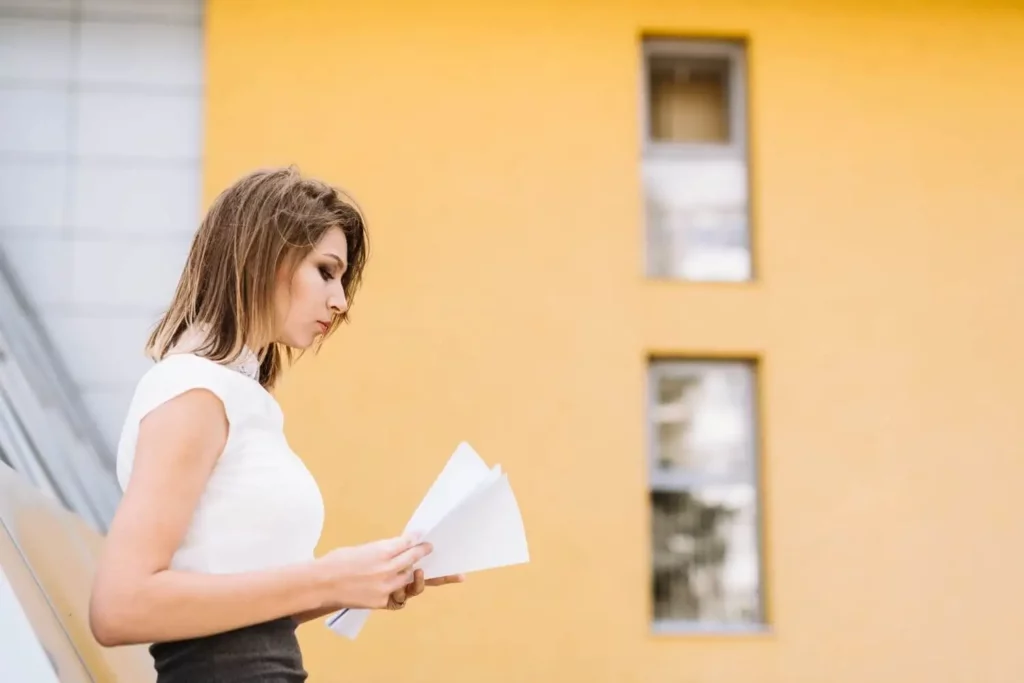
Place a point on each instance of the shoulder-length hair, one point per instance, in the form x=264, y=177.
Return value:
x=265, y=221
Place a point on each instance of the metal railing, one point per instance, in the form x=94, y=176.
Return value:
x=46, y=433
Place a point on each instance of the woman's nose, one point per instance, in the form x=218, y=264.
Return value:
x=339, y=304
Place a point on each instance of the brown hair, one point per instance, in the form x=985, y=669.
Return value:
x=266, y=220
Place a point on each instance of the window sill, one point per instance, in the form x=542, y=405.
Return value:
x=690, y=629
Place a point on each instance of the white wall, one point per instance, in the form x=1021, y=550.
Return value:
x=100, y=141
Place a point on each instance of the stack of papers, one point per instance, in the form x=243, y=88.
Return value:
x=471, y=518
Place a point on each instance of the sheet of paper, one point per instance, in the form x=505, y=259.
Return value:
x=470, y=516
x=349, y=622
x=463, y=472
x=486, y=532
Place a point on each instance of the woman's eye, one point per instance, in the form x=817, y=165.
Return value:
x=326, y=274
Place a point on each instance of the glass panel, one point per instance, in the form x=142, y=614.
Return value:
x=51, y=569
x=33, y=645
x=696, y=219
x=705, y=555
x=703, y=419
x=689, y=100
x=22, y=656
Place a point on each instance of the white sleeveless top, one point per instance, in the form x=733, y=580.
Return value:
x=261, y=508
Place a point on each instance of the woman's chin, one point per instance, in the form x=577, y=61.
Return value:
x=298, y=343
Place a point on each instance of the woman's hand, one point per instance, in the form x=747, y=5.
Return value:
x=367, y=576
x=399, y=597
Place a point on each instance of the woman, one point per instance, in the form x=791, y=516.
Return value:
x=210, y=554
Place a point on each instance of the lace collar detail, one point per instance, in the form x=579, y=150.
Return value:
x=247, y=362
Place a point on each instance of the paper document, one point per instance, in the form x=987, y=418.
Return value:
x=471, y=518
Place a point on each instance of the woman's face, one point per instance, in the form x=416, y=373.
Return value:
x=307, y=301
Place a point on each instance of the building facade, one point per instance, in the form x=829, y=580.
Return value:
x=718, y=285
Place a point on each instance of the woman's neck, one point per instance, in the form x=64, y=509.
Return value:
x=194, y=338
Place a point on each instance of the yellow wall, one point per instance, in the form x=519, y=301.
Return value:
x=494, y=147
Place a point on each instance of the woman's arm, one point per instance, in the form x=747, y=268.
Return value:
x=136, y=598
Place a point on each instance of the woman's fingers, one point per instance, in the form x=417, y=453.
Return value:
x=409, y=557
x=397, y=599
x=442, y=580
x=416, y=587
x=415, y=584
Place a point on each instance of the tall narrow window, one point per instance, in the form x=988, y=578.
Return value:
x=706, y=571
x=695, y=171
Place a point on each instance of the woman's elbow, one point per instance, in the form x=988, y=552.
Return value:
x=104, y=629
x=105, y=634
x=105, y=626
x=109, y=620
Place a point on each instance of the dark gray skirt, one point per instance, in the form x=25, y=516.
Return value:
x=264, y=653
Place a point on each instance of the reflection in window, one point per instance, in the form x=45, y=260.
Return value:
x=689, y=98
x=697, y=219
x=704, y=498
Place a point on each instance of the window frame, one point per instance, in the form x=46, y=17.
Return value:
x=735, y=53
x=658, y=480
